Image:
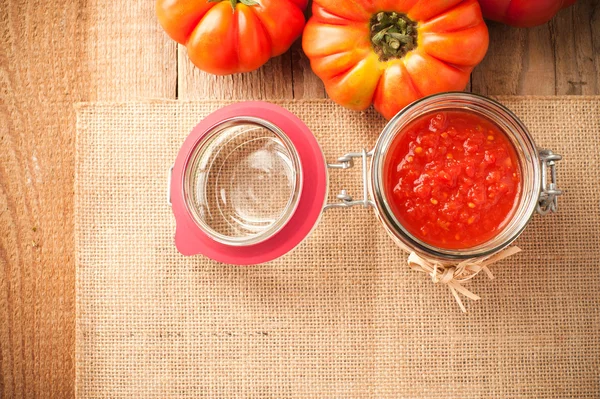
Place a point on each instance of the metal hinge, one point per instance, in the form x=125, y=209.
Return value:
x=549, y=192
x=346, y=162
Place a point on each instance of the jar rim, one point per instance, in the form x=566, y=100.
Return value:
x=519, y=137
x=292, y=202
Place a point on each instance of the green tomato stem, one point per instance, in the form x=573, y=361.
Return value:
x=235, y=2
x=392, y=34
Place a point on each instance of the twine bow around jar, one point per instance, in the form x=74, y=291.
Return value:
x=455, y=275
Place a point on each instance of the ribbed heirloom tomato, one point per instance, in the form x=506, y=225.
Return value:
x=522, y=13
x=225, y=37
x=392, y=52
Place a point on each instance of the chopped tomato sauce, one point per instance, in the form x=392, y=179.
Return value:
x=452, y=179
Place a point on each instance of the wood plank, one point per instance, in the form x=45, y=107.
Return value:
x=37, y=275
x=594, y=19
x=45, y=47
x=271, y=81
x=560, y=57
x=575, y=31
x=129, y=54
x=519, y=61
x=306, y=84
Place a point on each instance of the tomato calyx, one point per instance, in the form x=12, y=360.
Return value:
x=233, y=3
x=393, y=34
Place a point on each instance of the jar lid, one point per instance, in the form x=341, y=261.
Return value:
x=248, y=185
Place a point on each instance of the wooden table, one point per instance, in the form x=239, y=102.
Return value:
x=57, y=53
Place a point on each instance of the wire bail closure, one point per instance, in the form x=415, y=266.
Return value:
x=346, y=162
x=548, y=202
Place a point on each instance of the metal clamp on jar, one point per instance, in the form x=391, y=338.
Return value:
x=250, y=183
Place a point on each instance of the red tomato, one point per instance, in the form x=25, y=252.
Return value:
x=522, y=13
x=231, y=36
x=393, y=52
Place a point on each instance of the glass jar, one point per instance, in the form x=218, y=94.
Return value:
x=250, y=182
x=536, y=193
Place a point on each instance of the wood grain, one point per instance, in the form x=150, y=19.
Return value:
x=56, y=53
x=560, y=57
x=52, y=55
x=37, y=291
x=129, y=55
x=574, y=32
x=519, y=61
x=269, y=82
x=304, y=82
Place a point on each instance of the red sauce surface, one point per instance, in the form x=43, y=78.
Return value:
x=452, y=179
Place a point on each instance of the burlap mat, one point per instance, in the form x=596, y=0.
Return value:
x=342, y=316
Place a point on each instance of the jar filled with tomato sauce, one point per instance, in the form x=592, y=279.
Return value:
x=454, y=178
x=458, y=176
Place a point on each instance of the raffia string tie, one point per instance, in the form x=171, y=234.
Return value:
x=455, y=275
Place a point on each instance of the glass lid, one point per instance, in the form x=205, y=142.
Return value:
x=248, y=184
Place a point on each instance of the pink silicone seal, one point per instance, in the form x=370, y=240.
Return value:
x=192, y=239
